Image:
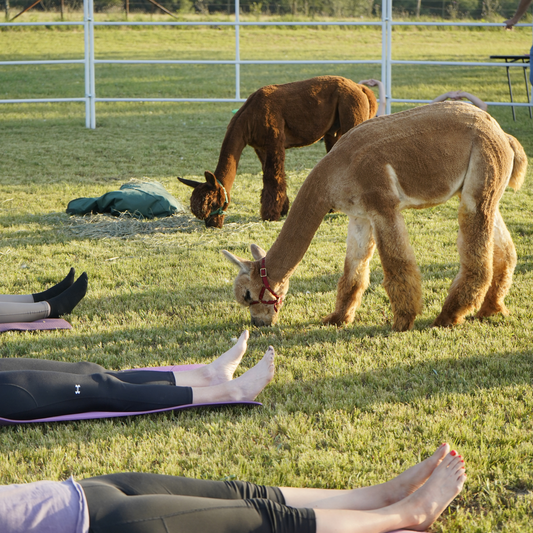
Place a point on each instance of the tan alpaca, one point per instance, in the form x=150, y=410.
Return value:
x=415, y=159
x=272, y=119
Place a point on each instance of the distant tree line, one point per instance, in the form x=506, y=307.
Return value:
x=448, y=9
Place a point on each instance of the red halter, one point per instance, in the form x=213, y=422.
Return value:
x=266, y=287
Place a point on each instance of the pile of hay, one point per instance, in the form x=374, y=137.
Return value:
x=127, y=226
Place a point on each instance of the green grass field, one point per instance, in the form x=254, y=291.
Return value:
x=349, y=406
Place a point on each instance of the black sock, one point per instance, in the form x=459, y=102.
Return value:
x=56, y=290
x=69, y=299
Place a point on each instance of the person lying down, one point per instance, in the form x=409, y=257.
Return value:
x=54, y=302
x=36, y=388
x=154, y=503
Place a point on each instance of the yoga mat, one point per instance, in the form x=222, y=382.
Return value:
x=37, y=325
x=114, y=414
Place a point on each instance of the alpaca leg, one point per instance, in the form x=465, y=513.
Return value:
x=274, y=199
x=401, y=275
x=503, y=265
x=261, y=155
x=475, y=244
x=329, y=140
x=360, y=247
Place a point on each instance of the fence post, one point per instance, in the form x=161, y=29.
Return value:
x=88, y=26
x=86, y=64
x=237, y=53
x=91, y=64
x=388, y=65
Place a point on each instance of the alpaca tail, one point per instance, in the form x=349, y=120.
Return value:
x=519, y=166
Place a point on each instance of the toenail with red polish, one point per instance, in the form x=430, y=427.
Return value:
x=453, y=453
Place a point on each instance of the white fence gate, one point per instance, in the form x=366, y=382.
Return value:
x=386, y=61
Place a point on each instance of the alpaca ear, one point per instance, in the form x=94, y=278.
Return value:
x=242, y=264
x=190, y=183
x=257, y=252
x=211, y=179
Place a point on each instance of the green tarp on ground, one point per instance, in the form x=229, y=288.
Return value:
x=137, y=198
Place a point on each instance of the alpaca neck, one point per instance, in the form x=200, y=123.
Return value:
x=305, y=216
x=230, y=153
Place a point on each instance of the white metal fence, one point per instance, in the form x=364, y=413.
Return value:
x=386, y=61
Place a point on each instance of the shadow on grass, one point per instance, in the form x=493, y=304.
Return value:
x=410, y=382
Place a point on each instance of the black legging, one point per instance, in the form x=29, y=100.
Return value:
x=36, y=388
x=152, y=503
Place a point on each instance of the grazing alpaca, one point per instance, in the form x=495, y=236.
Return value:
x=414, y=159
x=272, y=119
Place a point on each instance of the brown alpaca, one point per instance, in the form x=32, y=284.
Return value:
x=272, y=119
x=414, y=159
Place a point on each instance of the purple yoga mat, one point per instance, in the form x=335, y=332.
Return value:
x=113, y=414
x=37, y=325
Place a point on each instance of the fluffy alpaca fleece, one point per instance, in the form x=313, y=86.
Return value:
x=272, y=119
x=414, y=159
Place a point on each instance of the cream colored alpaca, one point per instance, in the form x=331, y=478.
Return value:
x=414, y=159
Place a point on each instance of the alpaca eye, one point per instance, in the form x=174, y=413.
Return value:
x=247, y=296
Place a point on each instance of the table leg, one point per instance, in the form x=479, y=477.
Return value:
x=510, y=91
x=527, y=91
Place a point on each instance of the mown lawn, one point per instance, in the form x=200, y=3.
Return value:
x=349, y=406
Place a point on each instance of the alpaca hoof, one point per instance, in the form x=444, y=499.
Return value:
x=272, y=213
x=446, y=321
x=272, y=217
x=492, y=309
x=403, y=322
x=334, y=319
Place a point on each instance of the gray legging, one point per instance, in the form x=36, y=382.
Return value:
x=22, y=308
x=152, y=503
x=37, y=388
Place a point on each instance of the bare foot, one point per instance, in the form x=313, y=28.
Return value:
x=413, y=478
x=220, y=371
x=253, y=381
x=427, y=503
x=223, y=368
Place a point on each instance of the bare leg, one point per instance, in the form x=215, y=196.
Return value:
x=243, y=388
x=219, y=371
x=418, y=511
x=367, y=498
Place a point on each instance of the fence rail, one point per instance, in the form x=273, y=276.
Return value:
x=385, y=61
